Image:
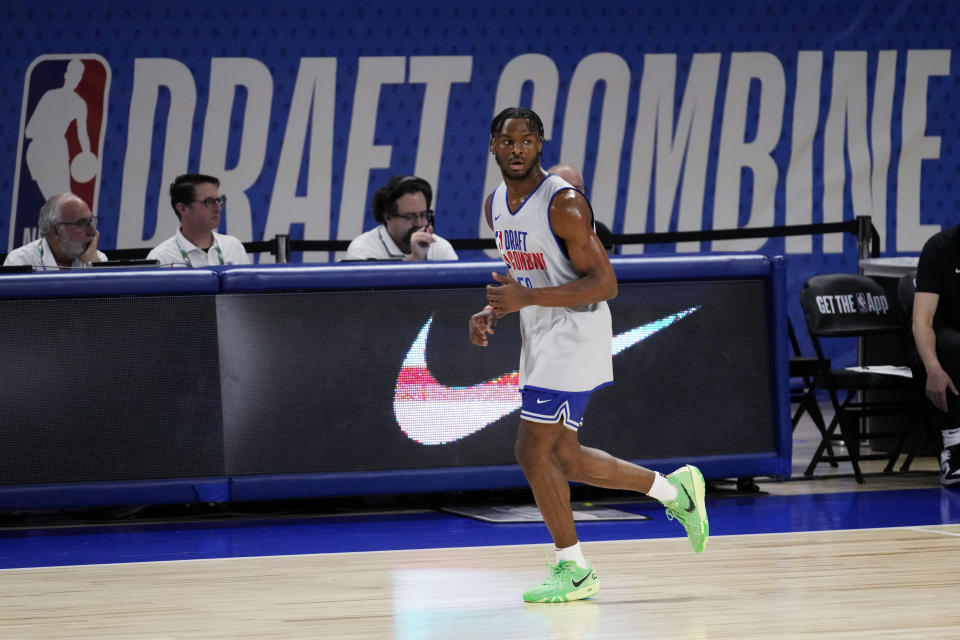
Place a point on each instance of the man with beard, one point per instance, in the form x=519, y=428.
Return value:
x=68, y=237
x=405, y=231
x=559, y=279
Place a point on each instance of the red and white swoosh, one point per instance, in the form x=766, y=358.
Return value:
x=432, y=413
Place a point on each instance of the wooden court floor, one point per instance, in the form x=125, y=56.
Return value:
x=893, y=583
x=885, y=582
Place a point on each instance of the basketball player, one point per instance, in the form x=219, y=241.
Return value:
x=559, y=279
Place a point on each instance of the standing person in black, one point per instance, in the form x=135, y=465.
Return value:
x=936, y=328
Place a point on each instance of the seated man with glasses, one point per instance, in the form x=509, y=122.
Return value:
x=68, y=237
x=405, y=230
x=197, y=201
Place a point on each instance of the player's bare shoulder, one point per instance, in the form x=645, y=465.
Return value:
x=570, y=212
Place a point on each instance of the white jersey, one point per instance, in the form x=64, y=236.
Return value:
x=564, y=348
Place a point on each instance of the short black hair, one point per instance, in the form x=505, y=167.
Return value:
x=385, y=198
x=184, y=188
x=536, y=125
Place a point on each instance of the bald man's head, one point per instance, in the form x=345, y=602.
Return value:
x=570, y=174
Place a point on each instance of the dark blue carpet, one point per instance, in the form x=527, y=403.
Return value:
x=180, y=540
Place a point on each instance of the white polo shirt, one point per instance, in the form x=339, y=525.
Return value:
x=180, y=252
x=377, y=244
x=38, y=255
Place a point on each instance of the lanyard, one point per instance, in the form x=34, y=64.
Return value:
x=40, y=241
x=186, y=258
x=384, y=243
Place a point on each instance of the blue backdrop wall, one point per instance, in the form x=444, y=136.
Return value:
x=692, y=115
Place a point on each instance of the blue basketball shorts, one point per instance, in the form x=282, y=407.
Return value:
x=548, y=406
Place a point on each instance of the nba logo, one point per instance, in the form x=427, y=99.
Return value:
x=62, y=123
x=862, y=302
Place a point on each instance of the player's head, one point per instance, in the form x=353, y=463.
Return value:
x=533, y=120
x=516, y=142
x=570, y=174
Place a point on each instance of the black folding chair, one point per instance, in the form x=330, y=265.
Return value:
x=852, y=306
x=803, y=375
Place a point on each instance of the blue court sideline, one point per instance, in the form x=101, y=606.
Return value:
x=265, y=536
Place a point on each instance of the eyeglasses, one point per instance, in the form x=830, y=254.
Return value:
x=210, y=203
x=84, y=224
x=426, y=216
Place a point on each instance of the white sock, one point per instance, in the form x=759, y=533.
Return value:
x=662, y=490
x=572, y=553
x=951, y=437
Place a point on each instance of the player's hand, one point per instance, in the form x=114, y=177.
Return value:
x=420, y=243
x=937, y=384
x=90, y=253
x=509, y=296
x=481, y=324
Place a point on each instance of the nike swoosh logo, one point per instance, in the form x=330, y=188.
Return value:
x=497, y=217
x=582, y=580
x=692, y=506
x=539, y=401
x=432, y=413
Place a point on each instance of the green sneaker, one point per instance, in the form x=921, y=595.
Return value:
x=566, y=582
x=689, y=508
